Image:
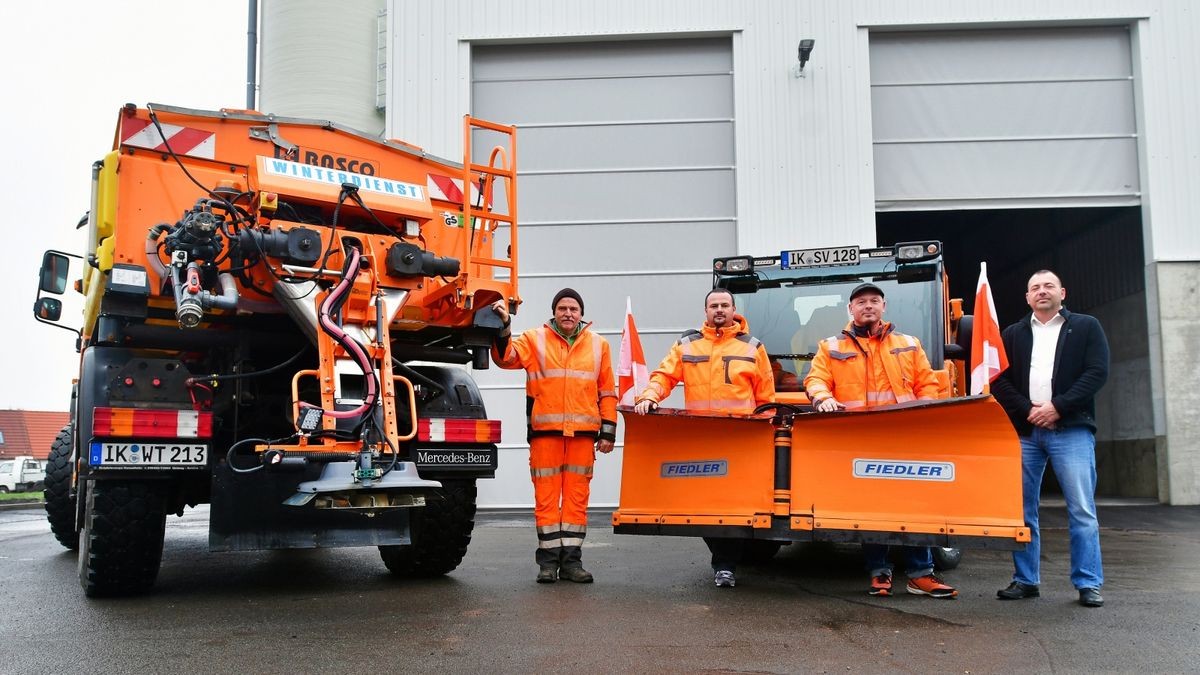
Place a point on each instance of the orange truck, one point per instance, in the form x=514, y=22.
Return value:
x=277, y=317
x=943, y=473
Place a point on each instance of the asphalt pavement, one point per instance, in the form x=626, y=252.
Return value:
x=652, y=609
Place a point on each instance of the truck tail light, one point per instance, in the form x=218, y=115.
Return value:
x=150, y=423
x=458, y=431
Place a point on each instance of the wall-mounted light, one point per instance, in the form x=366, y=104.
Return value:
x=805, y=50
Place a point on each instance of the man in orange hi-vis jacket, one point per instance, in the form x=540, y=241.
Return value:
x=572, y=401
x=723, y=369
x=872, y=364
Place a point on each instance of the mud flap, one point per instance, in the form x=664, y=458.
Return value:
x=248, y=514
x=939, y=473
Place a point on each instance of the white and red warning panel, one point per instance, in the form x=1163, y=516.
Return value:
x=141, y=133
x=449, y=189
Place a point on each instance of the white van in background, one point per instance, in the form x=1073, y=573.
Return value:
x=21, y=473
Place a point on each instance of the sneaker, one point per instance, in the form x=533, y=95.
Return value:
x=725, y=579
x=881, y=585
x=547, y=575
x=576, y=574
x=931, y=586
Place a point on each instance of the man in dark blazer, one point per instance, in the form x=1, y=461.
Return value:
x=1058, y=360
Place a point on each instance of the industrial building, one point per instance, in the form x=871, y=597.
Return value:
x=655, y=136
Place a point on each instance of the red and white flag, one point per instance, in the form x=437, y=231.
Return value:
x=987, y=351
x=632, y=376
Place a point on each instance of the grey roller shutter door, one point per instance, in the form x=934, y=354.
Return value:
x=626, y=188
x=1003, y=119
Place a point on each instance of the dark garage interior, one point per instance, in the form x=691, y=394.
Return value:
x=1098, y=254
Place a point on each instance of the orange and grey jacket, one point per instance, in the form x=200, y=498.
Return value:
x=722, y=370
x=864, y=371
x=570, y=386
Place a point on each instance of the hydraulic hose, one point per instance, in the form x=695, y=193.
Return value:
x=156, y=264
x=228, y=299
x=331, y=303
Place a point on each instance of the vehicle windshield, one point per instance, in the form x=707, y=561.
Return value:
x=793, y=317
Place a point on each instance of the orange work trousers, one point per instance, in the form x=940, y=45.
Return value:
x=561, y=469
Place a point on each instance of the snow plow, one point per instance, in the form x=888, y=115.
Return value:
x=944, y=473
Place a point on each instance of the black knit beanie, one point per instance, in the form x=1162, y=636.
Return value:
x=567, y=293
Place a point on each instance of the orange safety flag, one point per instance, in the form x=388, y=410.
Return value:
x=988, y=359
x=632, y=375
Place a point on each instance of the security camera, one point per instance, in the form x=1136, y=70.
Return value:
x=806, y=47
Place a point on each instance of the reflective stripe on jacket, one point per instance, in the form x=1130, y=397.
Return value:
x=864, y=372
x=571, y=385
x=723, y=370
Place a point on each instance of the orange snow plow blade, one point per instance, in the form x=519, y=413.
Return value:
x=936, y=473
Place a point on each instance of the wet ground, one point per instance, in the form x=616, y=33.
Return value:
x=652, y=609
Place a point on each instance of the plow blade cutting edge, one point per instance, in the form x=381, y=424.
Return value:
x=932, y=473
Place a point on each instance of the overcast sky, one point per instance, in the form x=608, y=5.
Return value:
x=69, y=65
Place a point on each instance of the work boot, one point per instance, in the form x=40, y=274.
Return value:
x=1018, y=591
x=576, y=574
x=547, y=574
x=1090, y=597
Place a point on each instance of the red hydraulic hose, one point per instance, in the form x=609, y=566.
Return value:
x=347, y=342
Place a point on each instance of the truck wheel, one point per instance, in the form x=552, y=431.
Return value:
x=120, y=545
x=60, y=500
x=946, y=558
x=441, y=531
x=760, y=551
x=3, y=489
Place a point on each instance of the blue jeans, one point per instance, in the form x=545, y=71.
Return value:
x=918, y=560
x=1072, y=453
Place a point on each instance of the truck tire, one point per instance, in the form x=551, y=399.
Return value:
x=60, y=497
x=760, y=551
x=946, y=558
x=441, y=531
x=121, y=542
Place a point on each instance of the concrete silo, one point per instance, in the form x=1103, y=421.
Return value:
x=323, y=60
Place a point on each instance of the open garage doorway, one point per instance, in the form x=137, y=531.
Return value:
x=1099, y=256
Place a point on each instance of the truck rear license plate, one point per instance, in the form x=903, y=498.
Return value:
x=148, y=455
x=819, y=257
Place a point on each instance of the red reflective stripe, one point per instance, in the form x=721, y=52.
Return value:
x=185, y=140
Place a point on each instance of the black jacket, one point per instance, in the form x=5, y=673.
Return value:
x=1080, y=369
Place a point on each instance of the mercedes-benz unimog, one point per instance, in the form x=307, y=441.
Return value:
x=278, y=318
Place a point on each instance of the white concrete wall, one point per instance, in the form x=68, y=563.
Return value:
x=1177, y=424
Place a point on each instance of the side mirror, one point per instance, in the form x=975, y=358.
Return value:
x=54, y=273
x=48, y=309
